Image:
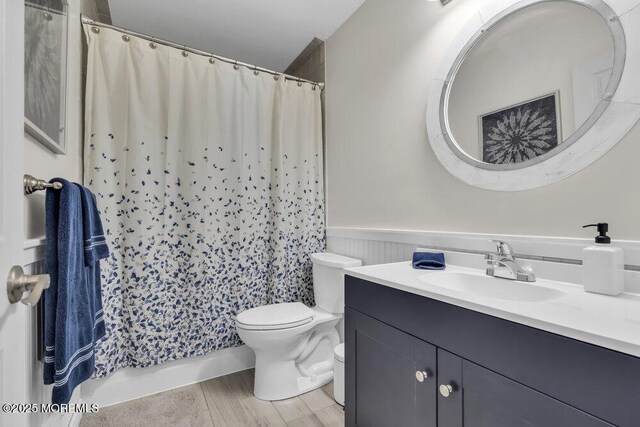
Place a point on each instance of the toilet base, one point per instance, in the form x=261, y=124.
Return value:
x=272, y=388
x=278, y=378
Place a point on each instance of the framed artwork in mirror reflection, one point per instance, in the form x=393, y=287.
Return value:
x=522, y=131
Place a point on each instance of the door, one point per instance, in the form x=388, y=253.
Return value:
x=450, y=413
x=13, y=317
x=390, y=375
x=491, y=400
x=472, y=396
x=590, y=79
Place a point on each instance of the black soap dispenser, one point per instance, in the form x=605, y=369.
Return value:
x=603, y=264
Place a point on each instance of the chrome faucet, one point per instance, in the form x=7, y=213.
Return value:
x=503, y=264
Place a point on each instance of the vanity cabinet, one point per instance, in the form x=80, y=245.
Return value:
x=415, y=361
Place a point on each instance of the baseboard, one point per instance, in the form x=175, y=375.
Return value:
x=75, y=419
x=63, y=419
x=129, y=383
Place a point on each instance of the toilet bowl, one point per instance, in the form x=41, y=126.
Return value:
x=292, y=357
x=294, y=343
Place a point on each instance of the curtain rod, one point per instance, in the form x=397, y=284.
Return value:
x=88, y=21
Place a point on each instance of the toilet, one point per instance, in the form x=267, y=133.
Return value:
x=294, y=344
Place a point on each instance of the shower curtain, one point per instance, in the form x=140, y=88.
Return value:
x=209, y=181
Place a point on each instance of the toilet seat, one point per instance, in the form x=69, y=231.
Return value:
x=275, y=316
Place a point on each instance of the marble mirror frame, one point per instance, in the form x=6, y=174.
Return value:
x=614, y=116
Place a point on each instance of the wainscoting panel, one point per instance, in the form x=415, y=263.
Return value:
x=370, y=251
x=550, y=258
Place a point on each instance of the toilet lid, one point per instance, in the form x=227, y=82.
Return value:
x=275, y=316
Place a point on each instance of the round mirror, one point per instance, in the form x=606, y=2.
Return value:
x=528, y=87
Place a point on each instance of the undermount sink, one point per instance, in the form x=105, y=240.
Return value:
x=491, y=287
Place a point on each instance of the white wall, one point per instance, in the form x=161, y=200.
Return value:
x=381, y=171
x=515, y=63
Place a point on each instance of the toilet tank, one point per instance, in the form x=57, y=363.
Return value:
x=328, y=280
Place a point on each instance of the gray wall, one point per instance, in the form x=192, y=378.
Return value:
x=381, y=171
x=310, y=63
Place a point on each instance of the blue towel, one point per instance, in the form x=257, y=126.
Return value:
x=72, y=304
x=95, y=249
x=428, y=260
x=95, y=245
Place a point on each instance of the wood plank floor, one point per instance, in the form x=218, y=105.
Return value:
x=221, y=402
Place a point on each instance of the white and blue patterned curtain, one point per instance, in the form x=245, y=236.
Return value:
x=209, y=180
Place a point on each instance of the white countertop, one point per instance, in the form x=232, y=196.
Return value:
x=608, y=321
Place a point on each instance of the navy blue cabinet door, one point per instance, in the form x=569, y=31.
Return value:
x=449, y=390
x=384, y=369
x=491, y=400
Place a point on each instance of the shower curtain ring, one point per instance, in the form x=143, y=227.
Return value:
x=255, y=70
x=184, y=51
x=152, y=44
x=212, y=60
x=235, y=65
x=299, y=82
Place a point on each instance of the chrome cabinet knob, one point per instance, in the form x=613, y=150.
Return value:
x=421, y=376
x=445, y=390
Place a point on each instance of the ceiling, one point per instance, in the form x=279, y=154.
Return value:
x=268, y=33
